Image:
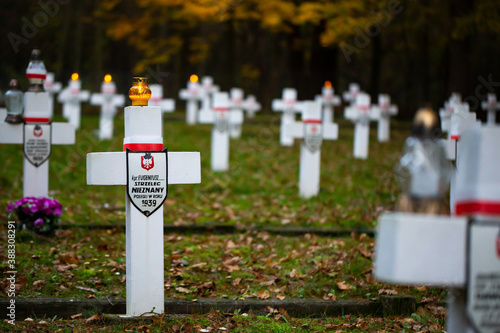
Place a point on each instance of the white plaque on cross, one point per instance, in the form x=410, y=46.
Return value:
x=144, y=231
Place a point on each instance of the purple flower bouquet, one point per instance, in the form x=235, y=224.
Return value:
x=40, y=215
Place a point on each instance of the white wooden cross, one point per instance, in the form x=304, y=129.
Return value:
x=144, y=234
x=236, y=105
x=221, y=117
x=166, y=105
x=52, y=88
x=385, y=110
x=329, y=100
x=289, y=106
x=192, y=95
x=109, y=101
x=312, y=131
x=361, y=114
x=491, y=106
x=207, y=90
x=446, y=112
x=37, y=136
x=251, y=106
x=460, y=252
x=71, y=97
x=350, y=95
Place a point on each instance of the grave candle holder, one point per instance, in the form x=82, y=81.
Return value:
x=14, y=102
x=139, y=93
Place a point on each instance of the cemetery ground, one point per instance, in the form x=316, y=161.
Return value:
x=226, y=238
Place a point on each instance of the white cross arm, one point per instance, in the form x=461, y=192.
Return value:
x=351, y=113
x=449, y=148
x=336, y=100
x=99, y=99
x=111, y=169
x=278, y=105
x=62, y=134
x=487, y=106
x=375, y=113
x=421, y=249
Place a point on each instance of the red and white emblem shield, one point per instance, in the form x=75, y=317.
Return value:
x=37, y=131
x=147, y=162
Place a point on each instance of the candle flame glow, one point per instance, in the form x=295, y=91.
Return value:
x=193, y=78
x=328, y=84
x=74, y=76
x=108, y=78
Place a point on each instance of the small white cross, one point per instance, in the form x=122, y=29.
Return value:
x=251, y=106
x=329, y=100
x=386, y=111
x=361, y=114
x=312, y=131
x=222, y=118
x=207, y=90
x=166, y=105
x=71, y=97
x=350, y=95
x=109, y=102
x=52, y=88
x=289, y=106
x=191, y=95
x=236, y=105
x=491, y=106
x=446, y=112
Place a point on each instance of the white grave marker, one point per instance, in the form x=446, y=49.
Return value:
x=109, y=100
x=221, y=117
x=192, y=94
x=71, y=97
x=329, y=100
x=166, y=105
x=491, y=106
x=52, y=88
x=236, y=105
x=288, y=105
x=361, y=114
x=386, y=111
x=350, y=95
x=37, y=134
x=462, y=252
x=446, y=112
x=146, y=169
x=251, y=106
x=207, y=89
x=313, y=132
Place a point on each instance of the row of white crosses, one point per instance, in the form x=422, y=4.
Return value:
x=146, y=169
x=460, y=252
x=38, y=133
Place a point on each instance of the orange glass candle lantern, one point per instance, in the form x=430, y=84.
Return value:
x=140, y=93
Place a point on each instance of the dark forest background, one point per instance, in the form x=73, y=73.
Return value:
x=417, y=51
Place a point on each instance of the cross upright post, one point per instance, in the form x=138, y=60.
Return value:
x=192, y=95
x=289, y=106
x=312, y=131
x=71, y=97
x=251, y=106
x=491, y=106
x=166, y=104
x=361, y=114
x=236, y=105
x=37, y=134
x=109, y=101
x=146, y=169
x=446, y=112
x=385, y=110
